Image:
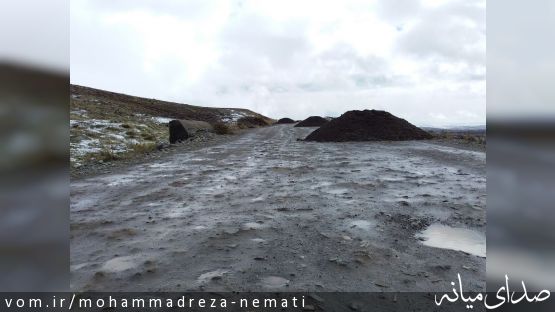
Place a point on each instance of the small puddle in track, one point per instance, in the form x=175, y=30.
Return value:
x=441, y=236
x=213, y=275
x=252, y=226
x=274, y=282
x=119, y=264
x=361, y=225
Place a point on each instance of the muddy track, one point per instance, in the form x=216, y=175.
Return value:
x=268, y=212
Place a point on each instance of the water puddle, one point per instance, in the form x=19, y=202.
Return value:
x=337, y=191
x=78, y=267
x=252, y=226
x=83, y=204
x=213, y=275
x=273, y=282
x=321, y=184
x=362, y=229
x=161, y=165
x=159, y=176
x=119, y=264
x=360, y=225
x=392, y=180
x=258, y=240
x=230, y=178
x=126, y=202
x=441, y=236
x=258, y=199
x=198, y=159
x=177, y=213
x=119, y=179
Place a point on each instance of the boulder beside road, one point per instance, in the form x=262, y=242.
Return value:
x=182, y=129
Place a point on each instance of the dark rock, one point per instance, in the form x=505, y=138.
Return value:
x=178, y=132
x=367, y=125
x=181, y=130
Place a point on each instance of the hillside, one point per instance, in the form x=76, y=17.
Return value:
x=107, y=125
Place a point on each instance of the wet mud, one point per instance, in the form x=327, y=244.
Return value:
x=265, y=212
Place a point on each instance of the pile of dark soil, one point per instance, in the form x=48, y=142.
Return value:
x=312, y=121
x=285, y=121
x=367, y=125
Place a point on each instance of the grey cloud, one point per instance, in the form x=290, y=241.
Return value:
x=250, y=41
x=337, y=68
x=453, y=32
x=398, y=11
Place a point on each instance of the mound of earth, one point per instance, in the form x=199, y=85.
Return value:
x=312, y=121
x=367, y=125
x=285, y=121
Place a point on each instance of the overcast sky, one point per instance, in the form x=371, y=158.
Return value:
x=421, y=60
x=35, y=33
x=521, y=59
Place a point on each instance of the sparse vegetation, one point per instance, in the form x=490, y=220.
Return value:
x=148, y=136
x=108, y=154
x=475, y=137
x=131, y=133
x=143, y=148
x=112, y=139
x=222, y=128
x=107, y=126
x=251, y=122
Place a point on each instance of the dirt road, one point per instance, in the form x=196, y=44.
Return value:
x=268, y=212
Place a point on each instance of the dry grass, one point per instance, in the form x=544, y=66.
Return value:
x=131, y=133
x=222, y=128
x=148, y=136
x=108, y=154
x=252, y=122
x=475, y=138
x=142, y=148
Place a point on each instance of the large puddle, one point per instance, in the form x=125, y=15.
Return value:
x=441, y=236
